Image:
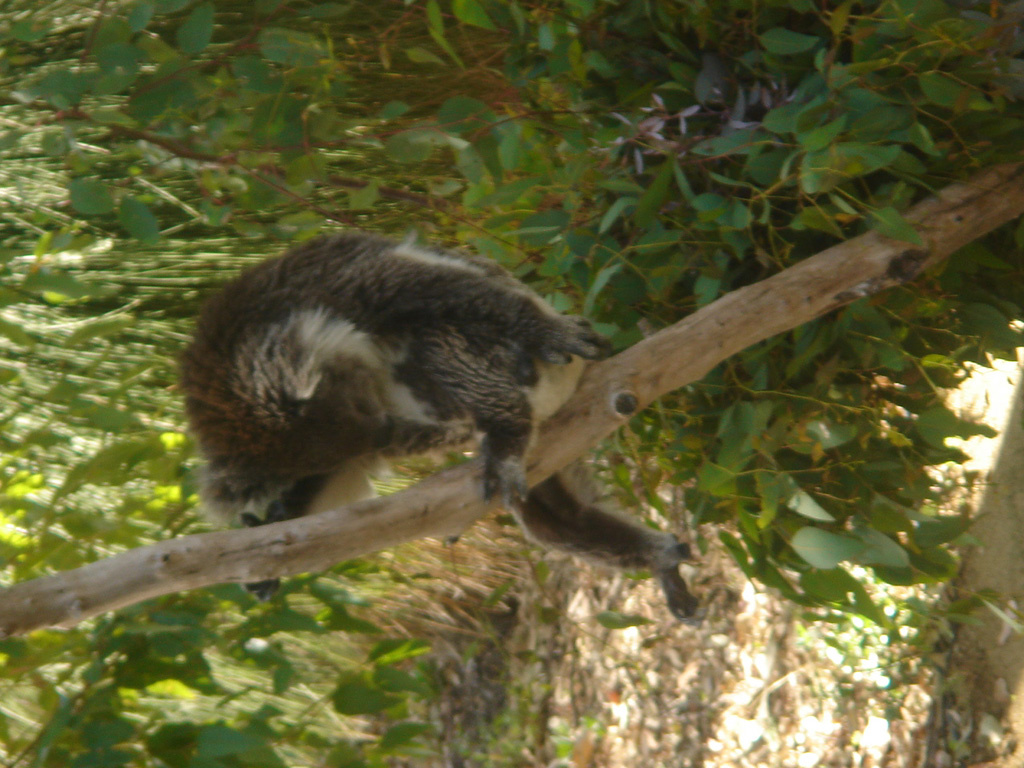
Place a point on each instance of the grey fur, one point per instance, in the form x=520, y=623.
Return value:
x=311, y=367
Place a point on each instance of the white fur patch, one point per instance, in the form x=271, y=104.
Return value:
x=404, y=404
x=326, y=337
x=407, y=249
x=554, y=387
x=290, y=356
x=349, y=484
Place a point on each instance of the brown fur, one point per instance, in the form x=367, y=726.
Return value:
x=309, y=367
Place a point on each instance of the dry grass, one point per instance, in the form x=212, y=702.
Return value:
x=538, y=681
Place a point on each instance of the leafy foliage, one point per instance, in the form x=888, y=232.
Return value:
x=636, y=160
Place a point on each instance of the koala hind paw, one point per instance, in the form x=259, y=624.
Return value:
x=505, y=478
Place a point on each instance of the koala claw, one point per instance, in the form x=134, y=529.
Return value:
x=573, y=336
x=681, y=603
x=263, y=590
x=276, y=512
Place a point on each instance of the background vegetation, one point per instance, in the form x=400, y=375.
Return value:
x=632, y=160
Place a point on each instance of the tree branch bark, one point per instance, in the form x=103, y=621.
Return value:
x=449, y=501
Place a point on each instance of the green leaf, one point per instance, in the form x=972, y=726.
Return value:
x=739, y=554
x=116, y=57
x=890, y=223
x=822, y=136
x=421, y=55
x=831, y=435
x=435, y=25
x=773, y=488
x=393, y=650
x=938, y=423
x=716, y=480
x=401, y=734
x=709, y=206
x=63, y=87
x=393, y=109
x=510, y=192
x=57, y=286
x=816, y=218
x=615, y=210
x=354, y=696
x=741, y=142
x=785, y=42
x=138, y=220
x=197, y=30
x=90, y=197
x=30, y=30
x=139, y=16
x=868, y=608
x=939, y=89
x=824, y=549
x=290, y=47
x=217, y=741
x=991, y=325
x=606, y=274
x=105, y=733
x=413, y=146
x=542, y=227
x=104, y=326
x=823, y=169
x=783, y=118
x=833, y=585
x=616, y=620
x=939, y=530
x=881, y=550
x=15, y=333
x=363, y=199
x=395, y=680
x=461, y=114
x=471, y=12
x=654, y=197
x=804, y=504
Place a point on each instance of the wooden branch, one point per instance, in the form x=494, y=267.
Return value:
x=450, y=501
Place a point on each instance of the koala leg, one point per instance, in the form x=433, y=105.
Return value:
x=563, y=513
x=476, y=382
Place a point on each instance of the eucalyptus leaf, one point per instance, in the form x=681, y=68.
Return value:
x=890, y=223
x=824, y=549
x=804, y=504
x=881, y=550
x=786, y=42
x=197, y=30
x=138, y=220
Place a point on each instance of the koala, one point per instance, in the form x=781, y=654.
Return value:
x=309, y=370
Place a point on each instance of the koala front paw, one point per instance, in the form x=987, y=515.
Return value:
x=572, y=335
x=276, y=512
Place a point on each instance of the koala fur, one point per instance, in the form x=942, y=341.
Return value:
x=310, y=369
